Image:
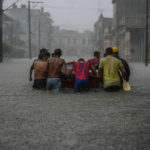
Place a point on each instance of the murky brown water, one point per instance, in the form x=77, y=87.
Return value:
x=38, y=120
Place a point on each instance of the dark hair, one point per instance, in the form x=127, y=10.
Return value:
x=53, y=54
x=109, y=51
x=104, y=55
x=43, y=51
x=40, y=56
x=81, y=59
x=96, y=53
x=48, y=54
x=58, y=52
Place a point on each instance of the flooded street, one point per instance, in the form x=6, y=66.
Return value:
x=42, y=120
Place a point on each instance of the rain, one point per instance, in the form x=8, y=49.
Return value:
x=95, y=119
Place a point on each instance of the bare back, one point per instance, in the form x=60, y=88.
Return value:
x=55, y=66
x=39, y=69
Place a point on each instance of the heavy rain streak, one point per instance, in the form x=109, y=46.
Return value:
x=74, y=75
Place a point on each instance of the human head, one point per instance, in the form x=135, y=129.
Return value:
x=109, y=51
x=58, y=52
x=43, y=51
x=115, y=51
x=53, y=54
x=81, y=60
x=104, y=55
x=97, y=54
x=47, y=55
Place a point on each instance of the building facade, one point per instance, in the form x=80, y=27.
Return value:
x=72, y=42
x=128, y=28
x=102, y=30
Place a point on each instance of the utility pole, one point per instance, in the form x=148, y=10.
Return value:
x=29, y=23
x=147, y=33
x=1, y=31
x=39, y=34
x=11, y=36
x=29, y=27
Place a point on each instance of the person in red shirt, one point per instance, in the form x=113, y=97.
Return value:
x=95, y=61
x=81, y=69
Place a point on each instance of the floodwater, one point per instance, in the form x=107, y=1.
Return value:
x=42, y=120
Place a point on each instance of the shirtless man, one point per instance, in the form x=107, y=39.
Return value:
x=43, y=51
x=39, y=67
x=54, y=67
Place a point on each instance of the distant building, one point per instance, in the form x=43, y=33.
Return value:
x=72, y=42
x=129, y=28
x=41, y=27
x=102, y=30
x=12, y=44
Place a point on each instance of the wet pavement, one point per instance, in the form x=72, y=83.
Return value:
x=42, y=120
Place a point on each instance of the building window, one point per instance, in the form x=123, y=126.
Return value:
x=89, y=41
x=69, y=41
x=75, y=41
x=83, y=41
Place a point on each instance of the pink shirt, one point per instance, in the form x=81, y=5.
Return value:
x=84, y=73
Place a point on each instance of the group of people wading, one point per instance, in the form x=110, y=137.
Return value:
x=48, y=71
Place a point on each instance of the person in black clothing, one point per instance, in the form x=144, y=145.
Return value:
x=126, y=66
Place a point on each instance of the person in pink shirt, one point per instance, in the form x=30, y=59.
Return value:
x=95, y=61
x=81, y=69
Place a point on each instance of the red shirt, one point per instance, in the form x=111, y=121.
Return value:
x=93, y=61
x=81, y=74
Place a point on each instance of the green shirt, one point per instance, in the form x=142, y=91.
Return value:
x=110, y=66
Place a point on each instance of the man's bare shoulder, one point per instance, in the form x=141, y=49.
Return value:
x=60, y=60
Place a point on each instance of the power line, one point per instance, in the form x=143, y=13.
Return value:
x=77, y=8
x=11, y=5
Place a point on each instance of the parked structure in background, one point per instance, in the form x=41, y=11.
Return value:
x=72, y=42
x=103, y=38
x=41, y=25
x=127, y=30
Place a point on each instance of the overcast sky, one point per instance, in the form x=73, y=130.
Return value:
x=73, y=14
